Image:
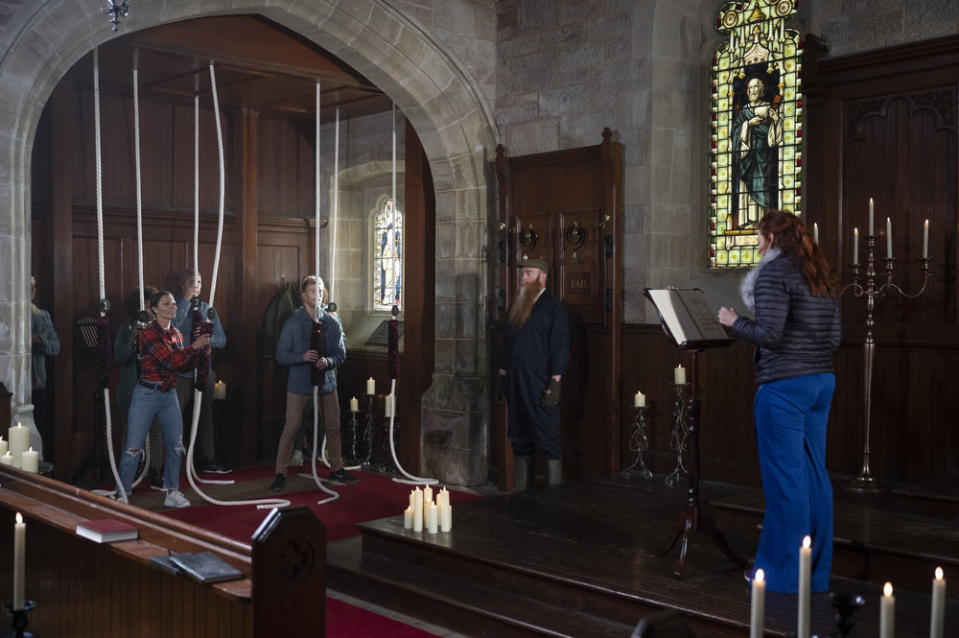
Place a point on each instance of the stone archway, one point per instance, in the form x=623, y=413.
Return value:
x=44, y=39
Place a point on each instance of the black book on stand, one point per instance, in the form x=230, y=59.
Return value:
x=206, y=567
x=688, y=319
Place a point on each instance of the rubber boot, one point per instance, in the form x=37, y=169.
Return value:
x=554, y=472
x=522, y=472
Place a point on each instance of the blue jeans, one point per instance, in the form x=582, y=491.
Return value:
x=146, y=405
x=791, y=416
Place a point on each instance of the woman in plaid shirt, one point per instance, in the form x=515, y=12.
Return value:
x=161, y=356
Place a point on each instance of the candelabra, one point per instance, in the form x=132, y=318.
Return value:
x=639, y=444
x=871, y=289
x=680, y=433
x=19, y=619
x=368, y=431
x=353, y=427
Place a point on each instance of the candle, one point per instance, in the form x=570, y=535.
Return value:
x=19, y=436
x=19, y=560
x=888, y=238
x=925, y=240
x=408, y=518
x=639, y=400
x=219, y=390
x=758, y=604
x=432, y=519
x=30, y=460
x=412, y=496
x=418, y=511
x=389, y=405
x=354, y=405
x=855, y=246
x=3, y=446
x=370, y=386
x=887, y=612
x=427, y=494
x=938, y=605
x=815, y=232
x=871, y=208
x=6, y=459
x=679, y=375
x=805, y=577
x=446, y=518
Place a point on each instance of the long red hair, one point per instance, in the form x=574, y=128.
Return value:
x=792, y=237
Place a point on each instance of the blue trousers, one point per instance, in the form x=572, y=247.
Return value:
x=791, y=416
x=146, y=405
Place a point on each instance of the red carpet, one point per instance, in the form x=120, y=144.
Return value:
x=347, y=621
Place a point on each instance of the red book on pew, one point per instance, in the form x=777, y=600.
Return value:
x=106, y=530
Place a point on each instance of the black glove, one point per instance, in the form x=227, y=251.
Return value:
x=501, y=387
x=551, y=394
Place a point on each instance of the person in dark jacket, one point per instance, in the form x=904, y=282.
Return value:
x=294, y=350
x=534, y=358
x=797, y=329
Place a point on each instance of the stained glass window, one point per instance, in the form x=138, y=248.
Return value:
x=387, y=271
x=756, y=113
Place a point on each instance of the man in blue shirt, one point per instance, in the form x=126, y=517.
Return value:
x=190, y=286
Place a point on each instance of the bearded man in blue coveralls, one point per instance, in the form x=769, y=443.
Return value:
x=534, y=358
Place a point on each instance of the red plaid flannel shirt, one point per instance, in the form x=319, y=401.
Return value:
x=162, y=355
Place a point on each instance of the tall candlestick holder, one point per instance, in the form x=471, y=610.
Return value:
x=18, y=622
x=368, y=431
x=354, y=426
x=639, y=444
x=872, y=289
x=679, y=435
x=386, y=465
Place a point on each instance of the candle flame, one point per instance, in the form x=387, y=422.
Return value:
x=887, y=590
x=31, y=449
x=760, y=576
x=19, y=519
x=938, y=573
x=855, y=231
x=806, y=542
x=927, y=222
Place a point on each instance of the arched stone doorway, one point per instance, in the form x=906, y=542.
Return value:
x=43, y=40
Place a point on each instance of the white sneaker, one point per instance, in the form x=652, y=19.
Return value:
x=175, y=498
x=121, y=499
x=297, y=459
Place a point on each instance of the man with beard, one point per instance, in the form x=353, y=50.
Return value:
x=535, y=356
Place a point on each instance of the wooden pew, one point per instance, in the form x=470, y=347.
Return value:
x=87, y=589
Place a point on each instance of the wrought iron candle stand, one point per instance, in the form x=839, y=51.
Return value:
x=387, y=465
x=368, y=432
x=639, y=444
x=871, y=289
x=679, y=435
x=18, y=624
x=354, y=459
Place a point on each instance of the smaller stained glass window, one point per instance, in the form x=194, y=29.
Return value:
x=387, y=271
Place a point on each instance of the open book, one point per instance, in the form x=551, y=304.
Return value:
x=690, y=322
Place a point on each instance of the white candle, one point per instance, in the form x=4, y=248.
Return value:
x=805, y=577
x=370, y=386
x=432, y=519
x=219, y=390
x=30, y=460
x=639, y=400
x=19, y=561
x=354, y=405
x=446, y=520
x=925, y=240
x=758, y=605
x=815, y=232
x=679, y=375
x=389, y=405
x=3, y=446
x=418, y=511
x=871, y=209
x=408, y=518
x=887, y=612
x=855, y=246
x=888, y=238
x=427, y=494
x=412, y=498
x=6, y=459
x=938, y=605
x=19, y=436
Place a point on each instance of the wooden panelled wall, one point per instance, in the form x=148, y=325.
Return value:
x=267, y=242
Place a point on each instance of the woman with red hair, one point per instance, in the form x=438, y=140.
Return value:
x=793, y=293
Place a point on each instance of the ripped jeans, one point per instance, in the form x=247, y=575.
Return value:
x=146, y=405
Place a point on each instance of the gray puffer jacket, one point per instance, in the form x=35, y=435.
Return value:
x=795, y=332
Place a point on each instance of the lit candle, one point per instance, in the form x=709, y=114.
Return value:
x=19, y=560
x=938, y=605
x=758, y=604
x=639, y=400
x=679, y=375
x=432, y=519
x=219, y=390
x=871, y=208
x=30, y=460
x=418, y=511
x=855, y=246
x=815, y=232
x=354, y=405
x=412, y=496
x=446, y=522
x=370, y=386
x=427, y=494
x=19, y=436
x=408, y=518
x=887, y=612
x=6, y=459
x=3, y=446
x=925, y=240
x=888, y=238
x=805, y=576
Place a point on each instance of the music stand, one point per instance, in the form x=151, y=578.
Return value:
x=691, y=325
